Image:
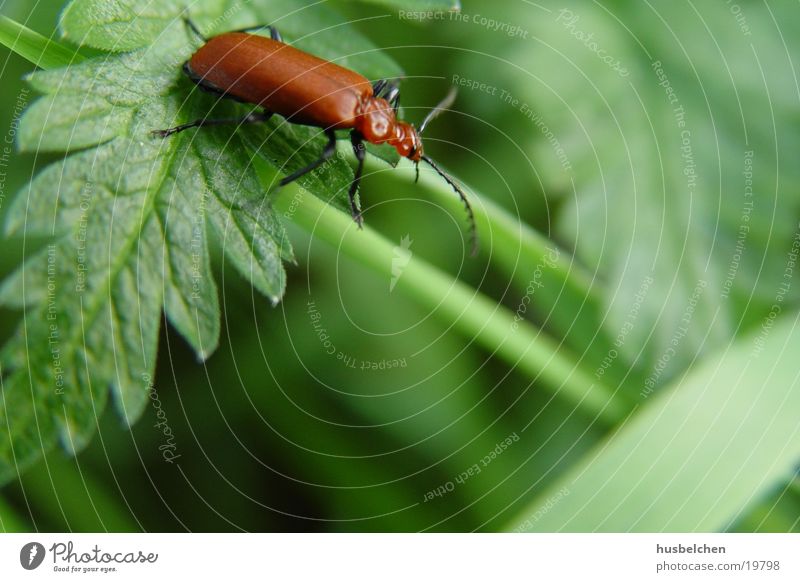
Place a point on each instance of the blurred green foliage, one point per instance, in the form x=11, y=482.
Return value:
x=275, y=434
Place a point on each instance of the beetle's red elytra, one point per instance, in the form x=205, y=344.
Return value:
x=308, y=90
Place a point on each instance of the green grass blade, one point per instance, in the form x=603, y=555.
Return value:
x=38, y=49
x=695, y=457
x=468, y=311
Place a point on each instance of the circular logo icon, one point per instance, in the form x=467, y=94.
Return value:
x=31, y=555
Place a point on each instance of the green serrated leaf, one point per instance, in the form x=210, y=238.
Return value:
x=51, y=124
x=449, y=5
x=134, y=319
x=26, y=285
x=128, y=215
x=124, y=25
x=28, y=413
x=191, y=301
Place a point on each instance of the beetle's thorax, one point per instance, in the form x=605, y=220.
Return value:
x=378, y=123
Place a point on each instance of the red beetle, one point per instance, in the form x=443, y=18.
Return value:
x=308, y=90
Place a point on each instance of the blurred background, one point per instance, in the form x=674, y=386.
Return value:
x=625, y=135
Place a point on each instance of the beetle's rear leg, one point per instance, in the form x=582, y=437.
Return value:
x=274, y=34
x=255, y=117
x=327, y=153
x=361, y=153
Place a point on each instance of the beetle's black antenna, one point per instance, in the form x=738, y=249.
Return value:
x=443, y=106
x=473, y=231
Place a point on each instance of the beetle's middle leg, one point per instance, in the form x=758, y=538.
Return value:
x=255, y=117
x=327, y=153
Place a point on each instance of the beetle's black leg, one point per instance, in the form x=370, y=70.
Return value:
x=361, y=152
x=255, y=117
x=193, y=27
x=274, y=34
x=378, y=86
x=327, y=153
x=389, y=90
x=393, y=96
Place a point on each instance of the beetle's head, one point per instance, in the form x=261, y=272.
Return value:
x=407, y=141
x=378, y=124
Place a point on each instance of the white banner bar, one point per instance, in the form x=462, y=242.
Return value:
x=400, y=557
